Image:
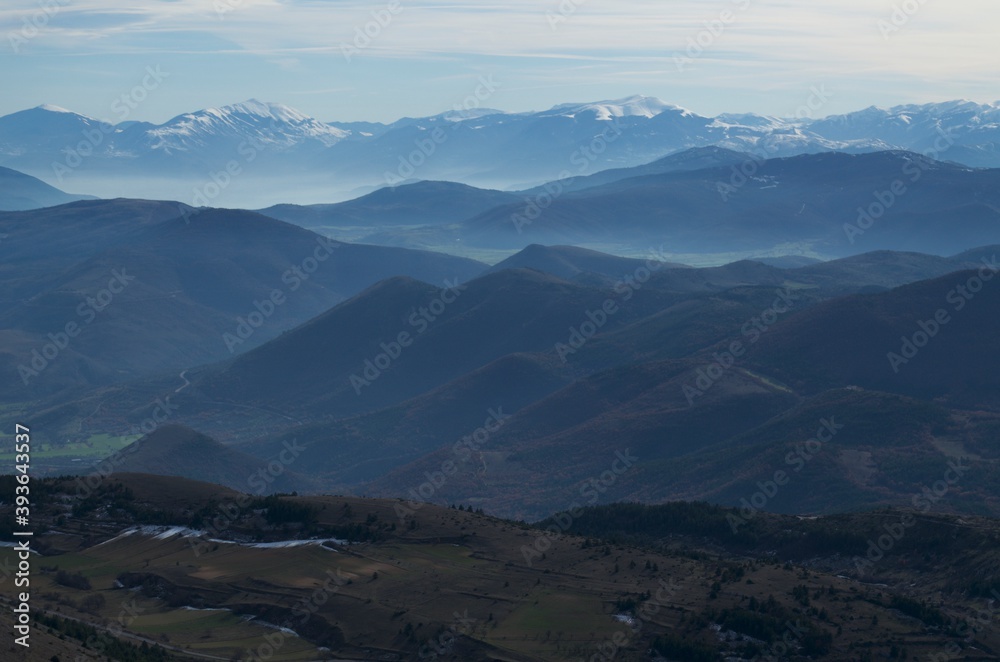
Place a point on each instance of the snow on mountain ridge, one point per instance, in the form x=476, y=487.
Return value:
x=460, y=115
x=277, y=111
x=265, y=123
x=52, y=108
x=489, y=148
x=633, y=106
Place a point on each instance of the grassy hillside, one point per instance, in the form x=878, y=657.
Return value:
x=453, y=584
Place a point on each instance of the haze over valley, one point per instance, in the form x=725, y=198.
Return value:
x=703, y=370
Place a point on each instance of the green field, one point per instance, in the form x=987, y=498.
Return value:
x=94, y=448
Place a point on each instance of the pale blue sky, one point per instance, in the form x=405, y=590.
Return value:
x=429, y=56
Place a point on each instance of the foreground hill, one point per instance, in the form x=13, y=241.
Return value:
x=343, y=453
x=926, y=339
x=19, y=192
x=70, y=234
x=865, y=272
x=420, y=203
x=449, y=332
x=876, y=270
x=571, y=262
x=206, y=571
x=551, y=449
x=173, y=450
x=864, y=447
x=375, y=412
x=170, y=292
x=889, y=452
x=693, y=422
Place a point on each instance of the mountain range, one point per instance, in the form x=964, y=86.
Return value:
x=851, y=279
x=705, y=204
x=221, y=156
x=719, y=204
x=158, y=286
x=379, y=391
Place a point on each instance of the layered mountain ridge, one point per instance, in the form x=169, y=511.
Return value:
x=481, y=147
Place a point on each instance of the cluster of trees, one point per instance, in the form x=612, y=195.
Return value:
x=94, y=639
x=920, y=610
x=792, y=539
x=759, y=626
x=279, y=511
x=73, y=580
x=676, y=648
x=119, y=499
x=284, y=511
x=984, y=588
x=767, y=620
x=639, y=524
x=632, y=522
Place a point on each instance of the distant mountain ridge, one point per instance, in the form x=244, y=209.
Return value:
x=418, y=203
x=486, y=148
x=829, y=204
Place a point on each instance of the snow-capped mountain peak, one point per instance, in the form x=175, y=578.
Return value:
x=633, y=106
x=257, y=108
x=264, y=123
x=460, y=115
x=484, y=147
x=54, y=109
